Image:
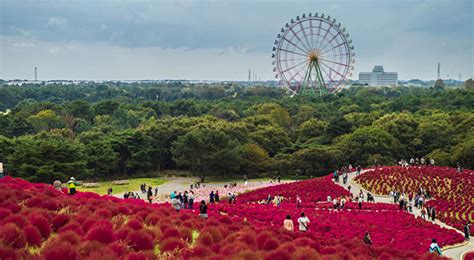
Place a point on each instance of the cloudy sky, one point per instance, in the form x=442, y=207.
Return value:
x=219, y=39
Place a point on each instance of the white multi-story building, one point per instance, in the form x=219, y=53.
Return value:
x=378, y=77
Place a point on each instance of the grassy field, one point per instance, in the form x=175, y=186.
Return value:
x=134, y=185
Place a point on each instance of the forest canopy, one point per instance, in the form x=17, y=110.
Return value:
x=101, y=131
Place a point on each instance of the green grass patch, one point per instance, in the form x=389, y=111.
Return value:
x=195, y=236
x=133, y=185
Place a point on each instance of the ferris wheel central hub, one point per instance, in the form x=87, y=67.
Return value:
x=313, y=55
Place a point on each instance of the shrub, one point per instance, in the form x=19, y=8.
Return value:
x=60, y=250
x=135, y=224
x=10, y=235
x=59, y=221
x=139, y=240
x=101, y=233
x=172, y=244
x=42, y=224
x=32, y=235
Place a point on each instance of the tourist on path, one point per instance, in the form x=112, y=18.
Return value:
x=360, y=200
x=185, y=199
x=211, y=197
x=57, y=185
x=467, y=230
x=367, y=238
x=191, y=200
x=434, y=248
x=149, y=195
x=72, y=186
x=288, y=223
x=176, y=204
x=203, y=210
x=217, y=197
x=303, y=222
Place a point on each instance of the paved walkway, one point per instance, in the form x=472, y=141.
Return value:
x=454, y=253
x=181, y=184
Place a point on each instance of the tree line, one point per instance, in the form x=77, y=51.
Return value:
x=101, y=131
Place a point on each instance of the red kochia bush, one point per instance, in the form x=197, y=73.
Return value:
x=69, y=237
x=171, y=244
x=32, y=235
x=42, y=224
x=4, y=213
x=101, y=233
x=118, y=247
x=10, y=235
x=135, y=224
x=270, y=244
x=60, y=250
x=139, y=240
x=59, y=221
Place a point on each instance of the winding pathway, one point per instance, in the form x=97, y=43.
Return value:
x=454, y=252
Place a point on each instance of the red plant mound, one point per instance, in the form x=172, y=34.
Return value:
x=452, y=192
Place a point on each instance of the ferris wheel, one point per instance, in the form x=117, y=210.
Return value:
x=313, y=54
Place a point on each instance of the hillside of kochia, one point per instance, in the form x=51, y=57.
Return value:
x=106, y=131
x=37, y=221
x=452, y=192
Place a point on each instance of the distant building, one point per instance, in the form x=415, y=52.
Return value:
x=378, y=77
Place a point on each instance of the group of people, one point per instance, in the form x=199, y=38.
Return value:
x=71, y=185
x=344, y=173
x=182, y=201
x=417, y=162
x=131, y=195
x=303, y=222
x=303, y=226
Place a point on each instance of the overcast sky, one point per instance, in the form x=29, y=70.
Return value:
x=222, y=40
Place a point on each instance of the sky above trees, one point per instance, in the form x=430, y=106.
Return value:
x=222, y=39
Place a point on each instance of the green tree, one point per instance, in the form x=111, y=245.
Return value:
x=366, y=142
x=254, y=159
x=46, y=120
x=46, y=157
x=313, y=128
x=317, y=160
x=271, y=138
x=206, y=151
x=134, y=149
x=463, y=153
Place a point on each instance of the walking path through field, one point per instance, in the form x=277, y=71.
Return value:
x=454, y=253
x=181, y=184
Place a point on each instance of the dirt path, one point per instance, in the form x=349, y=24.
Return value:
x=452, y=252
x=181, y=184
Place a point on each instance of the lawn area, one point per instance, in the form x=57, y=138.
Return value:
x=134, y=185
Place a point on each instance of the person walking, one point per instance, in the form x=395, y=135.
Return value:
x=434, y=248
x=298, y=201
x=57, y=185
x=211, y=197
x=149, y=195
x=191, y=200
x=176, y=204
x=72, y=186
x=360, y=200
x=467, y=230
x=303, y=222
x=288, y=223
x=367, y=239
x=185, y=199
x=216, y=196
x=203, y=210
x=433, y=214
